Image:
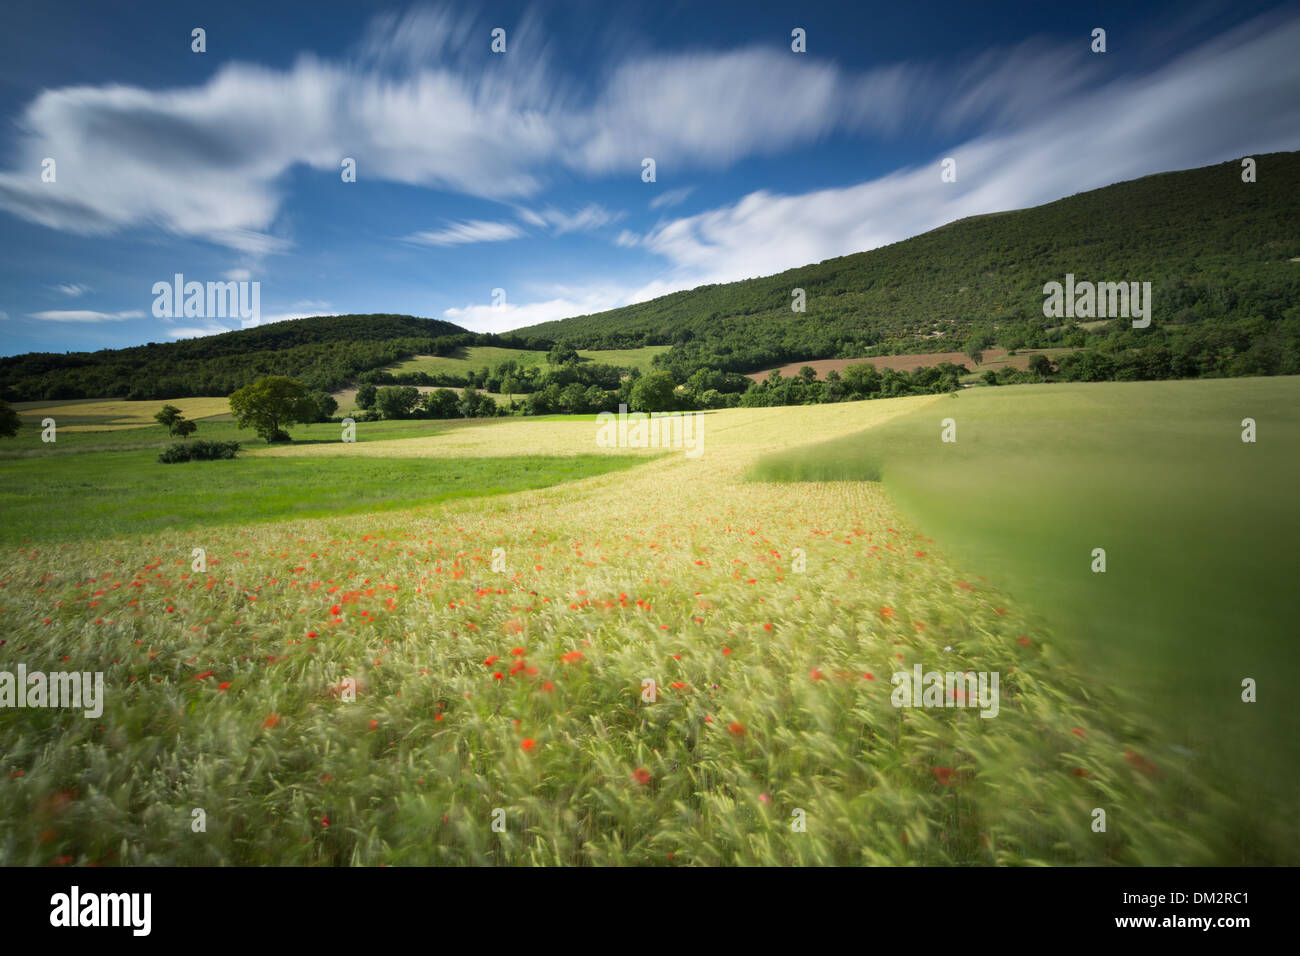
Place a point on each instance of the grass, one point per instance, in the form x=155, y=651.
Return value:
x=1199, y=530
x=519, y=689
x=477, y=357
x=103, y=486
x=101, y=414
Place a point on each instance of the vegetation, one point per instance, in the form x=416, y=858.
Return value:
x=270, y=405
x=9, y=421
x=1197, y=525
x=170, y=417
x=369, y=688
x=1218, y=252
x=200, y=450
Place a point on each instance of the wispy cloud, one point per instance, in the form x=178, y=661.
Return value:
x=134, y=157
x=72, y=289
x=1190, y=113
x=672, y=197
x=589, y=217
x=85, y=315
x=461, y=233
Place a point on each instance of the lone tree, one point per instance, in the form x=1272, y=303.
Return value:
x=270, y=405
x=9, y=423
x=176, y=423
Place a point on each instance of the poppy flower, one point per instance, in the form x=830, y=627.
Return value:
x=271, y=721
x=528, y=744
x=736, y=728
x=641, y=775
x=571, y=656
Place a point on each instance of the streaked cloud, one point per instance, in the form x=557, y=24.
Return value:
x=85, y=315
x=461, y=233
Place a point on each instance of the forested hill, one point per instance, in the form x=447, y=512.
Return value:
x=325, y=352
x=1216, y=250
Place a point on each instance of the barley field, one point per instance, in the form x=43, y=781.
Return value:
x=468, y=682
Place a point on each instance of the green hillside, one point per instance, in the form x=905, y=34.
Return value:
x=1218, y=253
x=325, y=352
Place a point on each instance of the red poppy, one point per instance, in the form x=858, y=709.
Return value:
x=271, y=721
x=528, y=744
x=641, y=775
x=737, y=728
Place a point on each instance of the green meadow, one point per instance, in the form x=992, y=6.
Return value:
x=109, y=483
x=480, y=357
x=1199, y=528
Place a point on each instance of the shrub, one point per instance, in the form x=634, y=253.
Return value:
x=200, y=450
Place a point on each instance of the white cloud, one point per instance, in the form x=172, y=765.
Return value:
x=209, y=161
x=460, y=233
x=73, y=289
x=590, y=217
x=86, y=316
x=197, y=332
x=238, y=275
x=1185, y=115
x=672, y=197
x=3, y=314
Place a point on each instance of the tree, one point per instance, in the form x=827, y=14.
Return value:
x=366, y=395
x=654, y=393
x=270, y=405
x=396, y=401
x=1040, y=365
x=808, y=374
x=185, y=427
x=573, y=398
x=562, y=354
x=468, y=403
x=168, y=416
x=441, y=403
x=9, y=421
x=326, y=405
x=990, y=377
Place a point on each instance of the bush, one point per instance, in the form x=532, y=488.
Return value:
x=200, y=450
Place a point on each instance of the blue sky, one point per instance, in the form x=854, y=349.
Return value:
x=522, y=171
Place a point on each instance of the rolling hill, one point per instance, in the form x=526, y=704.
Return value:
x=1217, y=251
x=1222, y=257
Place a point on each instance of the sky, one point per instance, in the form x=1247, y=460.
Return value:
x=501, y=189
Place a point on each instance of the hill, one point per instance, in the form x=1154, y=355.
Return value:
x=325, y=352
x=1218, y=252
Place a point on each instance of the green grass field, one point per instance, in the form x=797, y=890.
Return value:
x=110, y=484
x=1199, y=528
